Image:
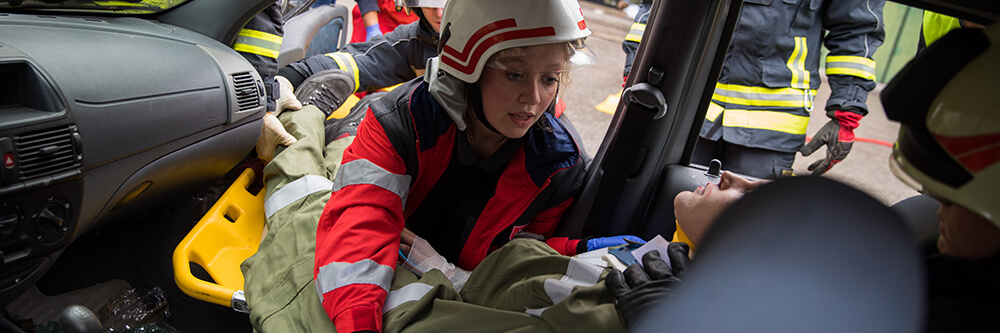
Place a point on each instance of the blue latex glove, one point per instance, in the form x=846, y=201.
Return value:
x=603, y=242
x=372, y=31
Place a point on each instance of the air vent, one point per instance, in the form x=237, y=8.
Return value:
x=247, y=91
x=46, y=152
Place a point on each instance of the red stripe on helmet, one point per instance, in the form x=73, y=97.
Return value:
x=499, y=38
x=974, y=152
x=482, y=32
x=582, y=24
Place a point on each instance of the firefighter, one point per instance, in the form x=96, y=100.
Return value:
x=948, y=148
x=259, y=42
x=468, y=158
x=631, y=43
x=935, y=25
x=373, y=17
x=327, y=80
x=382, y=62
x=758, y=115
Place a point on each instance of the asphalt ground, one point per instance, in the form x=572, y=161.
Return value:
x=866, y=167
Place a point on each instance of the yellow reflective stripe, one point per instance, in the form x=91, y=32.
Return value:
x=766, y=120
x=161, y=4
x=797, y=64
x=255, y=50
x=256, y=34
x=714, y=110
x=852, y=72
x=851, y=65
x=760, y=96
x=346, y=63
x=635, y=33
x=258, y=42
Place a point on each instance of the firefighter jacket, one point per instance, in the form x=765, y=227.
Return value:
x=259, y=42
x=631, y=43
x=771, y=71
x=382, y=62
x=403, y=146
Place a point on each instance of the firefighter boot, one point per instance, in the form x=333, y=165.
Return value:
x=327, y=90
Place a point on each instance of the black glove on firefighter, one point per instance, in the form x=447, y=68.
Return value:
x=837, y=135
x=640, y=288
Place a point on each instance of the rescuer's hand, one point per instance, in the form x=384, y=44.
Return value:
x=640, y=288
x=272, y=134
x=286, y=96
x=419, y=257
x=372, y=31
x=838, y=136
x=603, y=242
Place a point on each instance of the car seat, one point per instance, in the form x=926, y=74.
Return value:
x=306, y=34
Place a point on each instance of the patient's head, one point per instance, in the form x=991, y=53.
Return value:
x=696, y=210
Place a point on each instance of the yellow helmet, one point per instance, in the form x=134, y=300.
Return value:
x=948, y=102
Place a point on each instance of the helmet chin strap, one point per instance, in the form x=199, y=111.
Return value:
x=475, y=101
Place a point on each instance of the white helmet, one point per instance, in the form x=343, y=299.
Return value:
x=472, y=31
x=950, y=147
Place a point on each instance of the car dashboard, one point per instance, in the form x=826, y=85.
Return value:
x=102, y=116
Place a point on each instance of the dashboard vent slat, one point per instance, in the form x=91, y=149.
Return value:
x=247, y=92
x=46, y=152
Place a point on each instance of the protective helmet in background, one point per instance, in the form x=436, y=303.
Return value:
x=406, y=5
x=420, y=3
x=949, y=141
x=473, y=31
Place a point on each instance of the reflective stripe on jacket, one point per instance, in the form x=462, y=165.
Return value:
x=404, y=145
x=259, y=42
x=771, y=72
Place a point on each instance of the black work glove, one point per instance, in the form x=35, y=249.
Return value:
x=640, y=288
x=838, y=137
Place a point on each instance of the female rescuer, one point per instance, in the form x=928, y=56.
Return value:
x=468, y=158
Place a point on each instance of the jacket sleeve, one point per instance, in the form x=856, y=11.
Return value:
x=259, y=43
x=545, y=224
x=357, y=240
x=381, y=62
x=855, y=31
x=631, y=43
x=368, y=6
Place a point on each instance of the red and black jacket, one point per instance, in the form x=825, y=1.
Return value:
x=403, y=147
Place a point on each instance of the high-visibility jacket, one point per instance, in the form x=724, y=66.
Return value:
x=771, y=71
x=631, y=43
x=384, y=61
x=404, y=145
x=259, y=42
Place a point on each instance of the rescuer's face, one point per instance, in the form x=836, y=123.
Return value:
x=433, y=16
x=516, y=94
x=965, y=234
